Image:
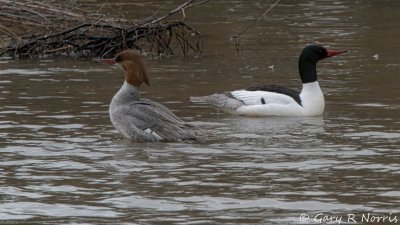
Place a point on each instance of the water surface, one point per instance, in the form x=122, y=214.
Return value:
x=62, y=162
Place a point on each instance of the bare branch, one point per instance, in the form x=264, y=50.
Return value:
x=64, y=29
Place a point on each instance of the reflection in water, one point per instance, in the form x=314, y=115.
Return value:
x=63, y=162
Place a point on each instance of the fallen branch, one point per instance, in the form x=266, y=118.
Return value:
x=70, y=30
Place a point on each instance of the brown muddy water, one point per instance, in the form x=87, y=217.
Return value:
x=62, y=162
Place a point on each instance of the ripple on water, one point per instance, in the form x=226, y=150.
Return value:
x=207, y=203
x=375, y=135
x=25, y=210
x=24, y=72
x=19, y=192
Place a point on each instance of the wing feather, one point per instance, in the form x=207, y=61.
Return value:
x=261, y=97
x=146, y=114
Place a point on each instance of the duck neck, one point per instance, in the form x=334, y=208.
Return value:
x=308, y=71
x=132, y=79
x=127, y=93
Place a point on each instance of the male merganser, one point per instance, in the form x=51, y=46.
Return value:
x=138, y=118
x=274, y=100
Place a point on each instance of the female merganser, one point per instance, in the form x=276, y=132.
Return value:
x=273, y=100
x=138, y=118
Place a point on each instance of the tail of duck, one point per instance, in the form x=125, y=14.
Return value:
x=222, y=102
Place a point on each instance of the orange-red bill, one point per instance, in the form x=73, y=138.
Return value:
x=108, y=61
x=333, y=53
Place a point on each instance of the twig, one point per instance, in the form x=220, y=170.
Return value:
x=236, y=38
x=258, y=19
x=8, y=31
x=186, y=5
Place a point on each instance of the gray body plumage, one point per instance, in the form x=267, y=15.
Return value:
x=145, y=120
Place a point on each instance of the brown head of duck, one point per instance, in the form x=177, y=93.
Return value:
x=133, y=65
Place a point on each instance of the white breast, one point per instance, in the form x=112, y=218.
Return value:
x=312, y=99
